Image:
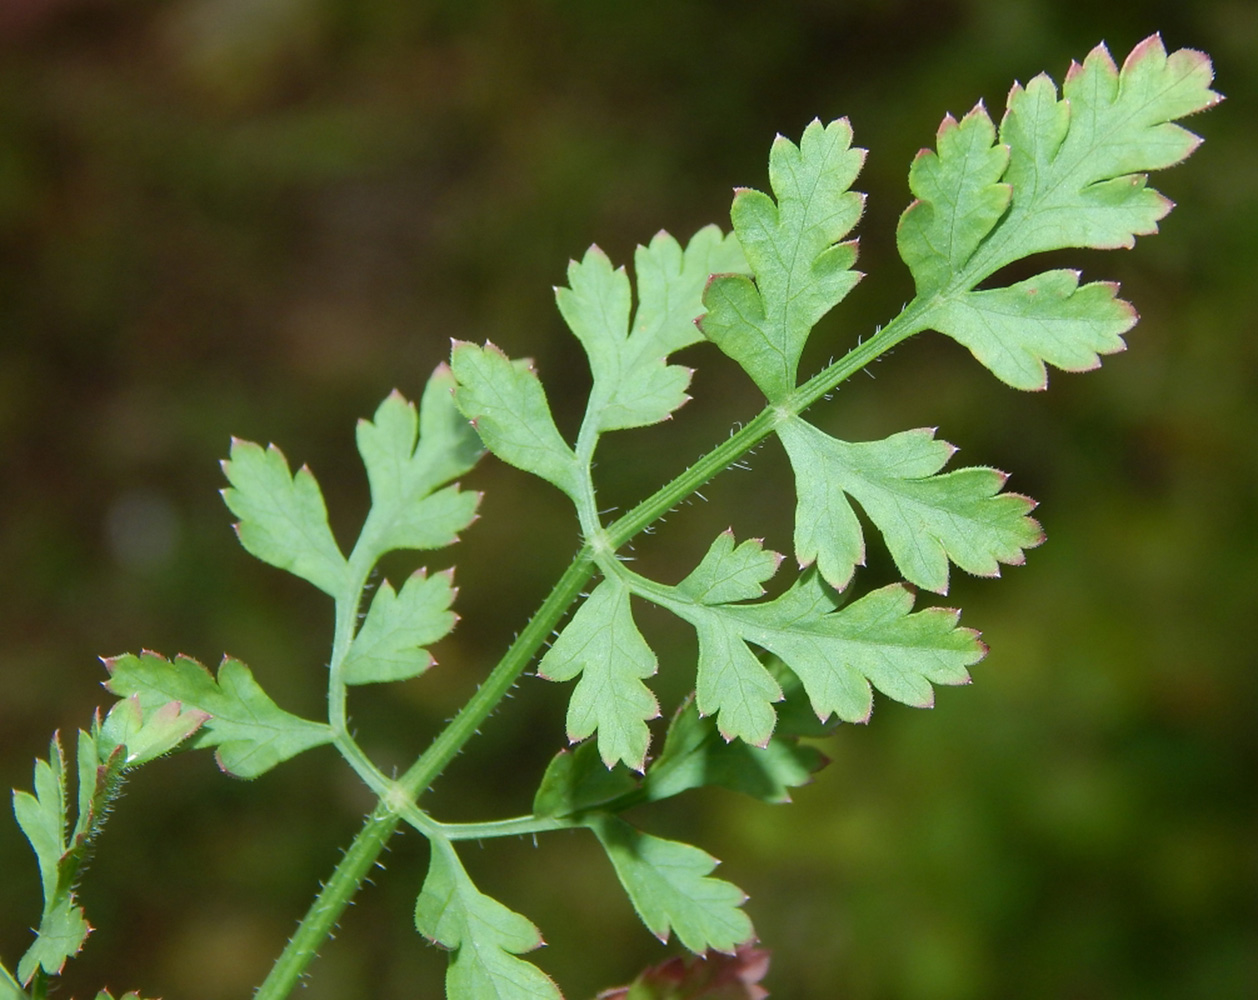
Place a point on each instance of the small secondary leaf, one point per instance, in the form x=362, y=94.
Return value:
x=630, y=390
x=283, y=520
x=251, y=732
x=149, y=735
x=42, y=816
x=671, y=282
x=577, y=780
x=603, y=644
x=484, y=935
x=408, y=455
x=390, y=644
x=62, y=931
x=926, y=519
x=1048, y=318
x=505, y=401
x=731, y=682
x=670, y=885
x=959, y=199
x=634, y=386
x=730, y=573
x=696, y=756
x=801, y=269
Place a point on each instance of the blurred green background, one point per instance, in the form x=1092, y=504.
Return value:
x=257, y=217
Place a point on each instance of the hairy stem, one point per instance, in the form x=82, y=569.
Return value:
x=326, y=910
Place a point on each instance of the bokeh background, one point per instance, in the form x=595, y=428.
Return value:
x=256, y=217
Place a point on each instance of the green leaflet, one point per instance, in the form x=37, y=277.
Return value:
x=506, y=404
x=1075, y=177
x=408, y=455
x=42, y=816
x=389, y=646
x=633, y=384
x=801, y=269
x=670, y=885
x=1048, y=318
x=695, y=756
x=283, y=520
x=926, y=519
x=959, y=198
x=484, y=935
x=62, y=931
x=731, y=573
x=147, y=735
x=731, y=682
x=251, y=732
x=577, y=781
x=671, y=283
x=603, y=644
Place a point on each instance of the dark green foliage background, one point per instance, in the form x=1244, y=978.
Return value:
x=259, y=216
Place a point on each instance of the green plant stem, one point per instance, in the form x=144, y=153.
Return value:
x=517, y=826
x=501, y=679
x=326, y=910
x=370, y=841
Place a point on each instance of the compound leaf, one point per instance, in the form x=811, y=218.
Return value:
x=283, y=520
x=390, y=644
x=801, y=269
x=251, y=732
x=408, y=455
x=1075, y=176
x=926, y=519
x=604, y=646
x=484, y=935
x=671, y=887
x=506, y=404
